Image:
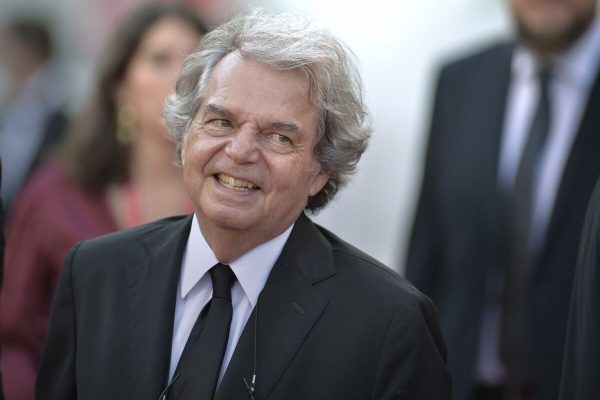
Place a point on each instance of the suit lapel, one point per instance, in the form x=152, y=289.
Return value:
x=488, y=117
x=288, y=308
x=151, y=293
x=582, y=168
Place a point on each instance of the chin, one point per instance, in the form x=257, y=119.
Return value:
x=228, y=218
x=545, y=39
x=553, y=35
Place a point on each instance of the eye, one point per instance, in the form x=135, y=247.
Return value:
x=223, y=123
x=278, y=142
x=159, y=59
x=281, y=138
x=219, y=123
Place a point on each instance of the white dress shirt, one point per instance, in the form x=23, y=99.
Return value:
x=195, y=288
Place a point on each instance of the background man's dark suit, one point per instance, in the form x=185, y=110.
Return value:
x=1, y=255
x=333, y=323
x=457, y=235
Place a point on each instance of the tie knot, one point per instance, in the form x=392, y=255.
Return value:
x=222, y=280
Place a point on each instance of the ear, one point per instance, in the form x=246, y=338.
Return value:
x=318, y=181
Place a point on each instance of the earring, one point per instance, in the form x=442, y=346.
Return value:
x=126, y=117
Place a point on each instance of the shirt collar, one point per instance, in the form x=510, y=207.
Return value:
x=197, y=260
x=251, y=269
x=523, y=64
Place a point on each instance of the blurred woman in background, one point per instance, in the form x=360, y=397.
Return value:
x=115, y=171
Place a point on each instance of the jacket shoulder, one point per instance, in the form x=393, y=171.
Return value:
x=367, y=274
x=479, y=60
x=110, y=254
x=121, y=240
x=378, y=294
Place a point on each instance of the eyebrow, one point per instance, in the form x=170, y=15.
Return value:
x=215, y=109
x=289, y=127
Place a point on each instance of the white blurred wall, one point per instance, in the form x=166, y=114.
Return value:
x=400, y=46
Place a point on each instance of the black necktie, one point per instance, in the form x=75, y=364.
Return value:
x=201, y=360
x=520, y=254
x=523, y=191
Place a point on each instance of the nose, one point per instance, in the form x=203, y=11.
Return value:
x=242, y=147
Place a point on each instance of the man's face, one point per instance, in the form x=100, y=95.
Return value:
x=550, y=26
x=248, y=161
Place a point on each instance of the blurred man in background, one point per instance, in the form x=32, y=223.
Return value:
x=511, y=163
x=33, y=120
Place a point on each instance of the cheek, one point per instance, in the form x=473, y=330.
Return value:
x=294, y=183
x=199, y=151
x=193, y=174
x=192, y=156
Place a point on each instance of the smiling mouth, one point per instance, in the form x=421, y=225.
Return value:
x=236, y=184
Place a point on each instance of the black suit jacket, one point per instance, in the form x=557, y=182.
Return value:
x=333, y=323
x=582, y=351
x=458, y=229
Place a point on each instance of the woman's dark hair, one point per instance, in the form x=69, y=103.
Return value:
x=93, y=155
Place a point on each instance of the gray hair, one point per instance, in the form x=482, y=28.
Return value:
x=286, y=42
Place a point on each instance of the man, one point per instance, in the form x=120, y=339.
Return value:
x=582, y=351
x=511, y=163
x=33, y=120
x=269, y=121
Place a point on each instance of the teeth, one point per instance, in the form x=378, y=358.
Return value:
x=236, y=184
